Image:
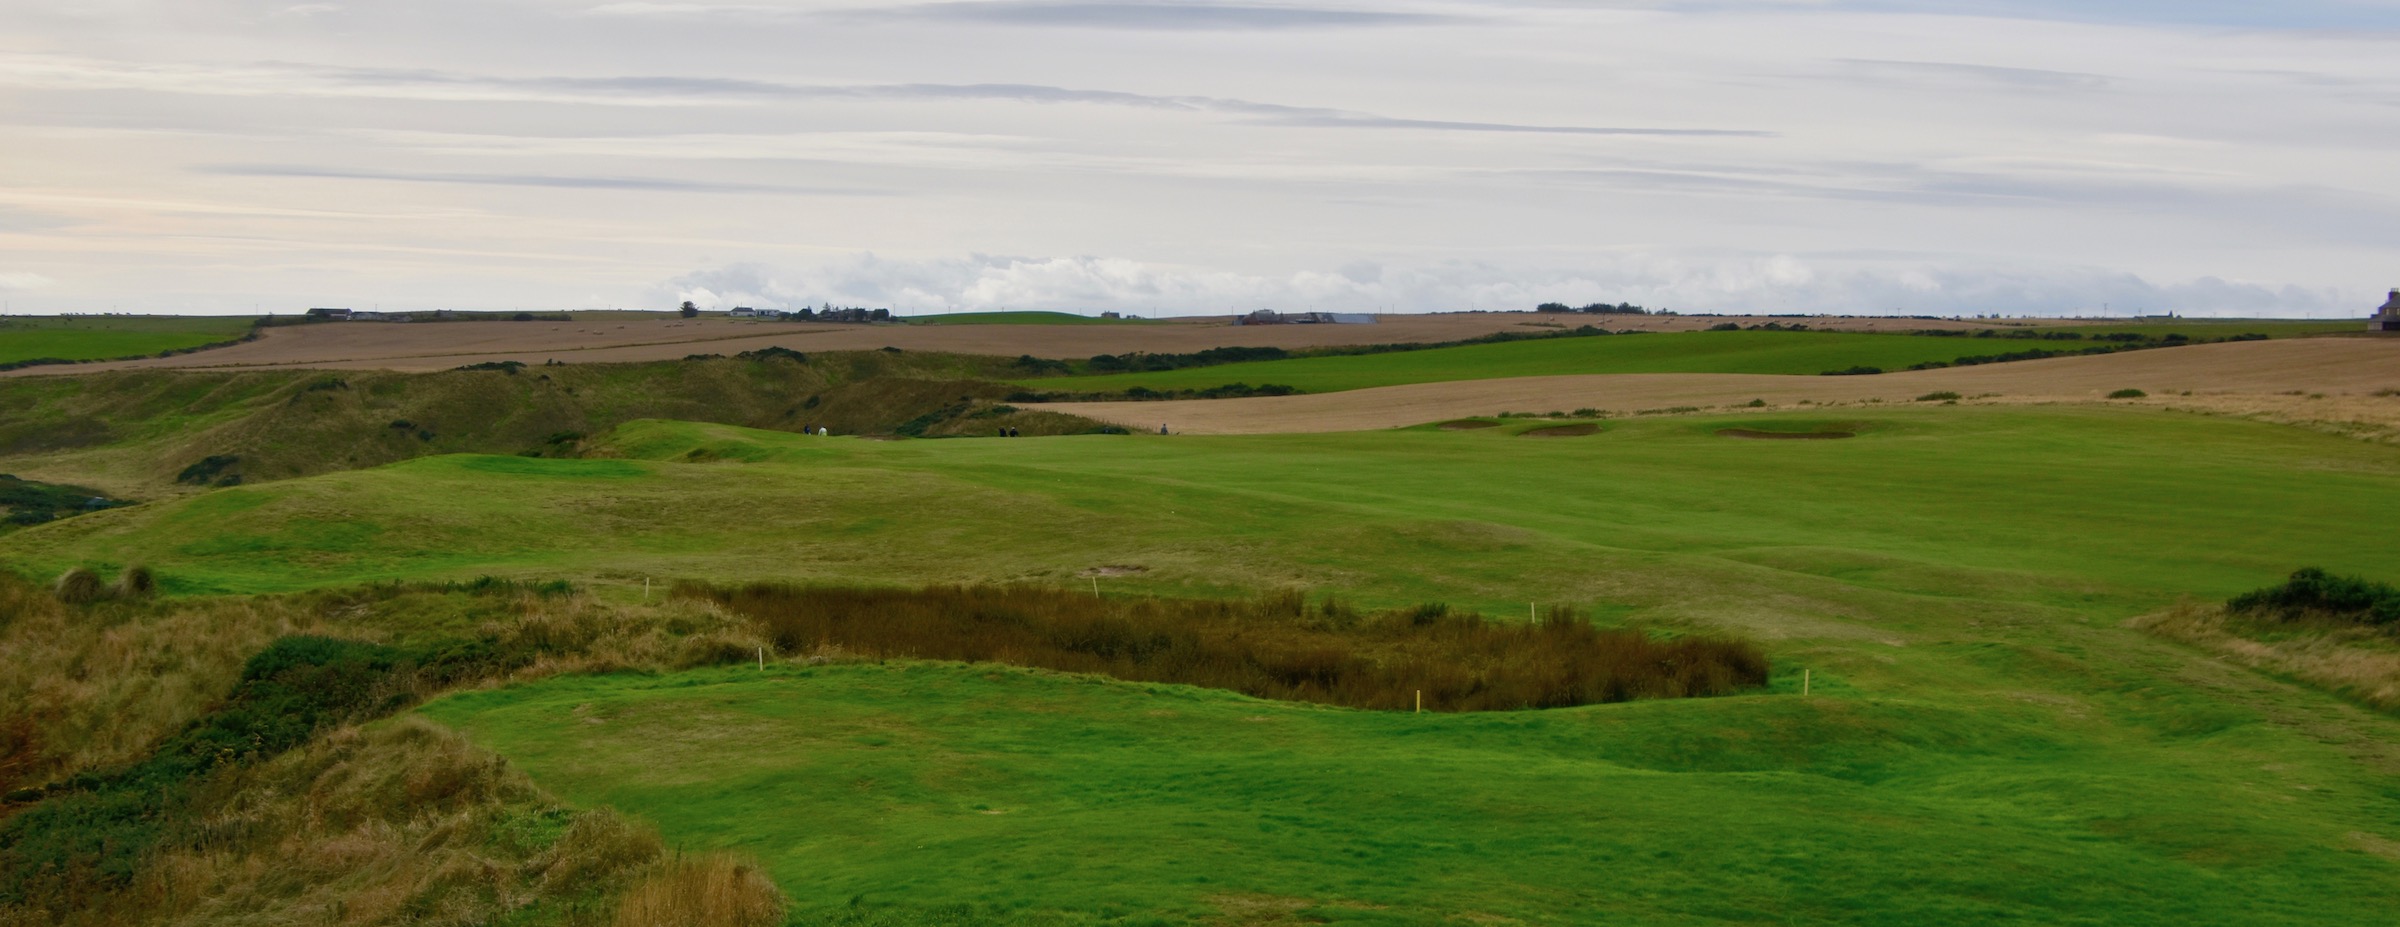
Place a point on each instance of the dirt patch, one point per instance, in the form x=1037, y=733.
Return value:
x=1467, y=424
x=1757, y=435
x=1114, y=570
x=1564, y=431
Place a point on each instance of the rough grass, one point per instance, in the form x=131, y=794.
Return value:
x=1278, y=646
x=106, y=337
x=1800, y=353
x=2339, y=656
x=714, y=890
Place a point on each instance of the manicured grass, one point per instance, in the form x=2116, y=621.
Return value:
x=1680, y=352
x=903, y=787
x=105, y=337
x=1016, y=318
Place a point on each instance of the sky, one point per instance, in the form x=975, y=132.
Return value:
x=1950, y=157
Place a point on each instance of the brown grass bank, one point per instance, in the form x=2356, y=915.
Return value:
x=1278, y=646
x=2358, y=662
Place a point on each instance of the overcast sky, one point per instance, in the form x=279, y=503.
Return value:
x=2209, y=157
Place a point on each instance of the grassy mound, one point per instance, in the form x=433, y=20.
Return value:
x=1561, y=431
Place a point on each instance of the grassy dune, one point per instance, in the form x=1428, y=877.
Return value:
x=91, y=337
x=1804, y=353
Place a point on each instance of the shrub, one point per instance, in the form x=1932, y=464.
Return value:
x=1858, y=371
x=79, y=586
x=2313, y=592
x=1938, y=396
x=137, y=582
x=2127, y=394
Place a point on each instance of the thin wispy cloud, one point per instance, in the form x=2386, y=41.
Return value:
x=553, y=181
x=1155, y=16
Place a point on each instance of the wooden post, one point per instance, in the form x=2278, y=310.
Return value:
x=645, y=590
x=1095, y=585
x=762, y=658
x=1804, y=682
x=1420, y=701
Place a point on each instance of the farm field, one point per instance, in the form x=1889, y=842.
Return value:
x=102, y=337
x=1740, y=352
x=1016, y=318
x=618, y=337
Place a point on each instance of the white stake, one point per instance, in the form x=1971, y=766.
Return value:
x=762, y=658
x=1095, y=586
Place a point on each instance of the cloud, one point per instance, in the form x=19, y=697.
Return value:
x=650, y=91
x=1947, y=75
x=526, y=180
x=1769, y=283
x=1155, y=16
x=14, y=282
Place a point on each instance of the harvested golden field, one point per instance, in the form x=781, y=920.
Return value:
x=422, y=346
x=2323, y=381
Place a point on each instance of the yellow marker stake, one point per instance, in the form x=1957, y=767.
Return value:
x=1804, y=682
x=1420, y=701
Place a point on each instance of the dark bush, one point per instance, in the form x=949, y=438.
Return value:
x=137, y=582
x=2312, y=592
x=208, y=470
x=2127, y=394
x=1938, y=396
x=1858, y=371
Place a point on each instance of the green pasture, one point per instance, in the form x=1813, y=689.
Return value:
x=105, y=337
x=1016, y=318
x=1803, y=353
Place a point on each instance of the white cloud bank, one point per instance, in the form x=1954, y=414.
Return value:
x=1763, y=284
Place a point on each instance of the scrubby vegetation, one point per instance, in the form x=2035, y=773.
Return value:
x=1280, y=646
x=25, y=502
x=2314, y=593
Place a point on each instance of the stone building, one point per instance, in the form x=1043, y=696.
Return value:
x=2387, y=320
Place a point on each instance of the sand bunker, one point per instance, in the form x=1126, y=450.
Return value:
x=1562, y=431
x=1756, y=434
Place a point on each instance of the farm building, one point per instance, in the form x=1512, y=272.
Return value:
x=2387, y=320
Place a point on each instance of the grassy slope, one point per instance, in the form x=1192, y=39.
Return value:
x=1988, y=742
x=1682, y=352
x=106, y=337
x=1016, y=318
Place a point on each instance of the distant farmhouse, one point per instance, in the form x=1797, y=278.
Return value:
x=2387, y=320
x=321, y=314
x=1272, y=317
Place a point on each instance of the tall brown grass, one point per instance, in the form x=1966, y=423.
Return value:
x=714, y=890
x=1277, y=647
x=2359, y=662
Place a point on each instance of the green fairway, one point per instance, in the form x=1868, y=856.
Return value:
x=104, y=337
x=1682, y=352
x=2061, y=506
x=2123, y=799
x=1015, y=318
